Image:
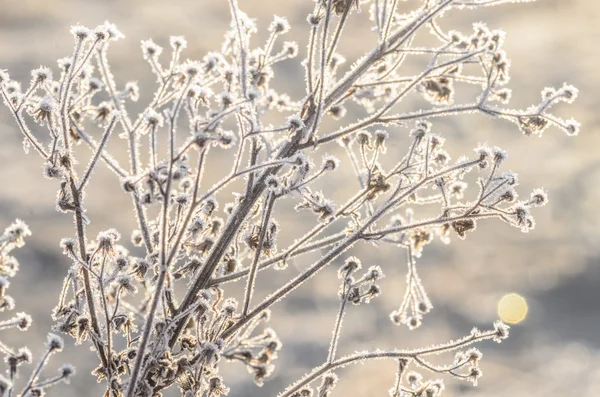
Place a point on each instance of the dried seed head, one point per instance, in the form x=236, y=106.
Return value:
x=150, y=49
x=474, y=374
x=54, y=343
x=572, y=127
x=273, y=184
x=80, y=32
x=279, y=25
x=295, y=123
x=101, y=33
x=568, y=93
x=23, y=321
x=290, y=48
x=177, y=42
x=132, y=90
x=66, y=371
x=539, y=197
x=499, y=155
x=41, y=75
x=114, y=33
x=68, y=245
x=24, y=355
x=107, y=239
x=330, y=163
x=153, y=118
x=313, y=19
x=501, y=331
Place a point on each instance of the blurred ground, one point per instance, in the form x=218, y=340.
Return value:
x=555, y=351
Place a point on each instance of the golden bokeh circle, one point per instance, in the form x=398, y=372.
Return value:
x=512, y=308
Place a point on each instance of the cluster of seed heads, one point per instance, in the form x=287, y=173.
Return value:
x=157, y=308
x=16, y=359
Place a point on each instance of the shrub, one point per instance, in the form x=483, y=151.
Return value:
x=194, y=246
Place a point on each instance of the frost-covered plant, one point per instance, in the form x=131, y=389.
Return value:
x=14, y=237
x=164, y=317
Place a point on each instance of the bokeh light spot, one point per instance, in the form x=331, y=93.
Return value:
x=512, y=308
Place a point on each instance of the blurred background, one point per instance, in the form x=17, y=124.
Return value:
x=553, y=270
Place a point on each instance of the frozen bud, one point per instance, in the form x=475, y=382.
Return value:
x=229, y=307
x=132, y=90
x=273, y=183
x=483, y=151
x=539, y=197
x=328, y=382
x=121, y=263
x=66, y=371
x=153, y=118
x=521, y=212
x=363, y=138
x=330, y=163
x=41, y=74
x=95, y=84
x=503, y=95
x=548, y=93
x=290, y=48
x=128, y=184
x=253, y=94
x=473, y=355
x=572, y=127
x=191, y=69
x=295, y=123
x=68, y=245
x=568, y=93
x=44, y=110
x=208, y=353
x=434, y=389
x=509, y=195
x=373, y=292
x=374, y=273
x=414, y=379
x=380, y=137
x=114, y=34
x=501, y=331
x=313, y=19
x=101, y=33
x=457, y=189
x=80, y=32
x=499, y=155
x=510, y=177
x=16, y=232
x=474, y=374
x=226, y=139
x=107, y=239
x=211, y=61
x=125, y=281
x=178, y=42
x=7, y=302
x=150, y=49
x=225, y=99
x=54, y=343
x=24, y=355
x=13, y=87
x=351, y=265
x=52, y=171
x=337, y=112
x=23, y=321
x=279, y=25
